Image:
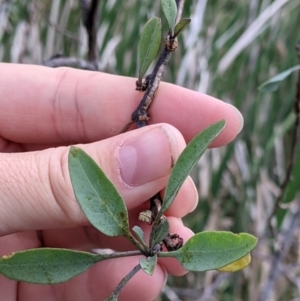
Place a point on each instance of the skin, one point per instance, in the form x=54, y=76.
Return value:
x=42, y=112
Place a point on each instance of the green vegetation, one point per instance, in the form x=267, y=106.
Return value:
x=228, y=50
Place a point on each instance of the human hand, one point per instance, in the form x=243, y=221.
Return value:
x=42, y=112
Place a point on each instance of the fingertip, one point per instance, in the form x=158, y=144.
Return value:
x=234, y=124
x=185, y=201
x=240, y=121
x=197, y=111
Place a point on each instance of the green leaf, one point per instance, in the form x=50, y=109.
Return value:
x=46, y=266
x=148, y=264
x=169, y=8
x=212, y=250
x=274, y=83
x=159, y=232
x=186, y=161
x=140, y=233
x=149, y=44
x=180, y=26
x=99, y=199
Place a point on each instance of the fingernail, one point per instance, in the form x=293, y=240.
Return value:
x=240, y=116
x=146, y=157
x=194, y=191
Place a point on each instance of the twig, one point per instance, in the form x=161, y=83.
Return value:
x=90, y=21
x=114, y=255
x=279, y=255
x=55, y=62
x=172, y=241
x=287, y=179
x=140, y=115
x=120, y=286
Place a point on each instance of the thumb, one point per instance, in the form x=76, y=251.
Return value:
x=36, y=191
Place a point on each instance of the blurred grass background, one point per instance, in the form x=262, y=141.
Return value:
x=228, y=50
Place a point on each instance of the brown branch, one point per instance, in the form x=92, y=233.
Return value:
x=292, y=156
x=58, y=61
x=120, y=286
x=90, y=21
x=141, y=115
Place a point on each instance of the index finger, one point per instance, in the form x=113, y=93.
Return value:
x=64, y=106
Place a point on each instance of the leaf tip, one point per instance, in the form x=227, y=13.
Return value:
x=180, y=26
x=169, y=9
x=74, y=151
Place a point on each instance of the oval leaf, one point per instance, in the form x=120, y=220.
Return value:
x=46, y=266
x=148, y=264
x=237, y=265
x=212, y=250
x=274, y=83
x=149, y=44
x=186, y=161
x=140, y=233
x=180, y=26
x=99, y=199
x=159, y=232
x=169, y=9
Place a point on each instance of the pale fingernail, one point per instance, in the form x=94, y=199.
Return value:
x=146, y=157
x=194, y=191
x=240, y=116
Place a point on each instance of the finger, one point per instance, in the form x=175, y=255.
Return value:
x=185, y=201
x=36, y=191
x=99, y=282
x=64, y=106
